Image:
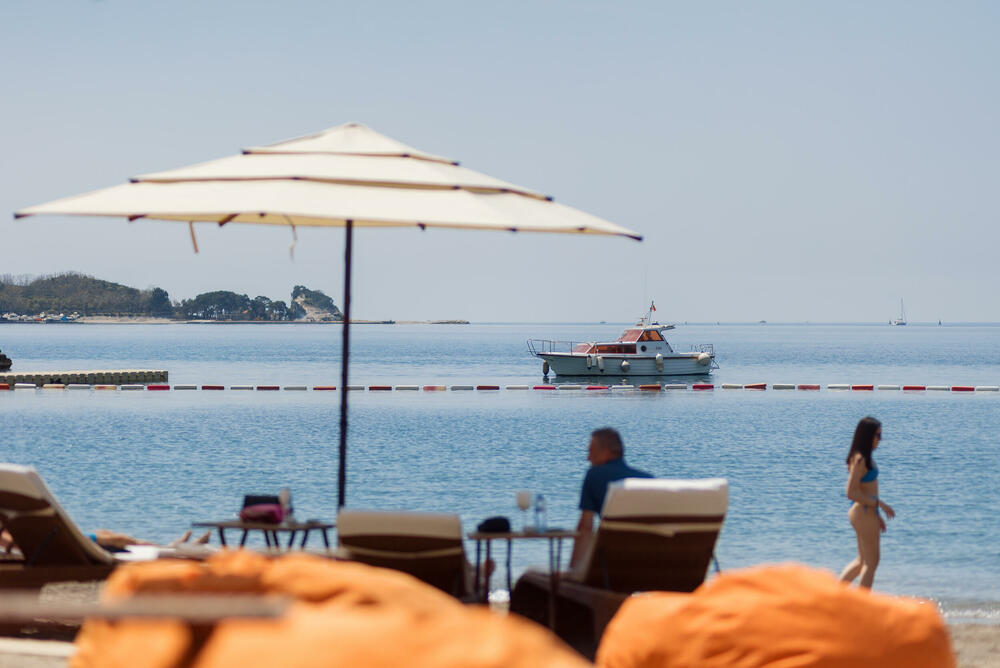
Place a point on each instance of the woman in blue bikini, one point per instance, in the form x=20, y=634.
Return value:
x=862, y=489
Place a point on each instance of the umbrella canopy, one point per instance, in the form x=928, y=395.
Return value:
x=346, y=176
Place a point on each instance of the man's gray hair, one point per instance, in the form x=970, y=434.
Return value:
x=610, y=440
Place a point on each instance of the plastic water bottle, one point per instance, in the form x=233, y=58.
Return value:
x=285, y=499
x=540, y=519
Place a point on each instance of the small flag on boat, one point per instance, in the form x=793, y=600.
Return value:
x=652, y=306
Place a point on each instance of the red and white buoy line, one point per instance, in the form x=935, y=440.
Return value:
x=656, y=387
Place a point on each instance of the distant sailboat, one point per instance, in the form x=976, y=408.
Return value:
x=901, y=320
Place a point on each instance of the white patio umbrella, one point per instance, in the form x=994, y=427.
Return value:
x=347, y=176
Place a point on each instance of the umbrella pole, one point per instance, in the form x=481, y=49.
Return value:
x=342, y=471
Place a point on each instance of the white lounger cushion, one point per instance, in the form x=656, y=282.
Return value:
x=639, y=497
x=388, y=523
x=25, y=481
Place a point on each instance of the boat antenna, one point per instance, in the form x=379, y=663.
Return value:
x=648, y=318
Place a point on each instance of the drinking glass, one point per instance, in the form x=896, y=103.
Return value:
x=524, y=499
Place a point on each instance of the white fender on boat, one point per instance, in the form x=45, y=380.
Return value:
x=600, y=363
x=625, y=366
x=590, y=361
x=659, y=361
x=545, y=367
x=704, y=359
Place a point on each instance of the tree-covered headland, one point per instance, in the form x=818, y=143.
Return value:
x=89, y=296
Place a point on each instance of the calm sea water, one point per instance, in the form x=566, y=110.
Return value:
x=151, y=463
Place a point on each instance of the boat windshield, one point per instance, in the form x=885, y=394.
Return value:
x=630, y=336
x=650, y=335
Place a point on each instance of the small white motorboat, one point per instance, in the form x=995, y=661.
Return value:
x=640, y=351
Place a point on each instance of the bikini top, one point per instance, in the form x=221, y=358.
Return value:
x=871, y=476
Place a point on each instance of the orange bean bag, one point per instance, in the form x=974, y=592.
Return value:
x=344, y=614
x=785, y=616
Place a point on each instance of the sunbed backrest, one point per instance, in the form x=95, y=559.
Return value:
x=656, y=534
x=425, y=545
x=41, y=529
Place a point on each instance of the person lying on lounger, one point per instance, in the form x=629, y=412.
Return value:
x=112, y=541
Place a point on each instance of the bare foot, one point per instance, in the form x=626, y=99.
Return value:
x=183, y=539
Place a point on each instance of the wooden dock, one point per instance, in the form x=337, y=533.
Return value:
x=112, y=377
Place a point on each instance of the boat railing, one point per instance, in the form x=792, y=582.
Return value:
x=541, y=346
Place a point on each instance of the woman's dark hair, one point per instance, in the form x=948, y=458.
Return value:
x=864, y=436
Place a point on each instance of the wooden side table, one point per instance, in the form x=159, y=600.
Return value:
x=555, y=538
x=271, y=531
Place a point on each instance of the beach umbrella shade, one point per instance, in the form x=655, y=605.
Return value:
x=348, y=176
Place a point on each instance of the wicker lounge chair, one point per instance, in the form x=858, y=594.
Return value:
x=53, y=549
x=654, y=535
x=428, y=546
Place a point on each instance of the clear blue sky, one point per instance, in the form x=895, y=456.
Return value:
x=786, y=161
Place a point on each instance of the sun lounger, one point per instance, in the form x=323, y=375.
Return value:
x=428, y=546
x=654, y=535
x=53, y=549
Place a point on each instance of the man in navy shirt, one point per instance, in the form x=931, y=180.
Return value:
x=607, y=456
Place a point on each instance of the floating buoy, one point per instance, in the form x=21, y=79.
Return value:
x=545, y=367
x=865, y=388
x=914, y=388
x=659, y=361
x=544, y=387
x=487, y=387
x=755, y=386
x=702, y=386
x=704, y=359
x=787, y=386
x=597, y=387
x=808, y=387
x=625, y=366
x=650, y=388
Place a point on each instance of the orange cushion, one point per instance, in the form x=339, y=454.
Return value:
x=344, y=614
x=785, y=616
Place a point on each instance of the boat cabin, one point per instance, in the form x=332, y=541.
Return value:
x=628, y=342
